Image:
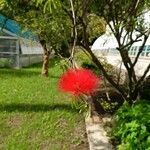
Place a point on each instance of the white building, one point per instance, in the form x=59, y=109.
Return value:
x=107, y=43
x=17, y=48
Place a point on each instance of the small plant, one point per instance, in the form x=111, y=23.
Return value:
x=108, y=106
x=132, y=126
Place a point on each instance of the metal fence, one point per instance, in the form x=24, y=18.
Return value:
x=11, y=53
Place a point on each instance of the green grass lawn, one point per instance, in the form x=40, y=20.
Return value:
x=34, y=115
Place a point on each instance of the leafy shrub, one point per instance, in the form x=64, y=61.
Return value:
x=4, y=62
x=91, y=67
x=86, y=62
x=96, y=26
x=81, y=57
x=132, y=126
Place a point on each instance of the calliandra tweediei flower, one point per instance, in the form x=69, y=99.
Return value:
x=78, y=82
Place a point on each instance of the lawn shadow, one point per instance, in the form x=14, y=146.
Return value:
x=52, y=62
x=35, y=65
x=18, y=73
x=31, y=70
x=24, y=107
x=22, y=73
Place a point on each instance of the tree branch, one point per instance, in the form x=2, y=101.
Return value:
x=143, y=76
x=140, y=51
x=100, y=66
x=74, y=34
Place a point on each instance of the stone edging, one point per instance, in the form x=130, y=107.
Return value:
x=96, y=134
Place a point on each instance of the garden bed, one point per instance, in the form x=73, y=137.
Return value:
x=107, y=100
x=127, y=126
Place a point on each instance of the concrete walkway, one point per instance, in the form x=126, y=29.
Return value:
x=140, y=66
x=97, y=136
x=116, y=61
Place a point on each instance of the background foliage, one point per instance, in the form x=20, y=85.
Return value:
x=132, y=126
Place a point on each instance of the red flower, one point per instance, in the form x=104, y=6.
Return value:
x=78, y=82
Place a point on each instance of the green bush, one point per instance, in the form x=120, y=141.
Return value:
x=85, y=61
x=81, y=57
x=4, y=62
x=132, y=126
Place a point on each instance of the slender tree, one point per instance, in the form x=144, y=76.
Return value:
x=51, y=27
x=125, y=19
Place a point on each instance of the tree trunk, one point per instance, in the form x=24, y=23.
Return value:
x=45, y=59
x=45, y=63
x=72, y=60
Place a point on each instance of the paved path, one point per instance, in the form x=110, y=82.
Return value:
x=97, y=138
x=140, y=67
